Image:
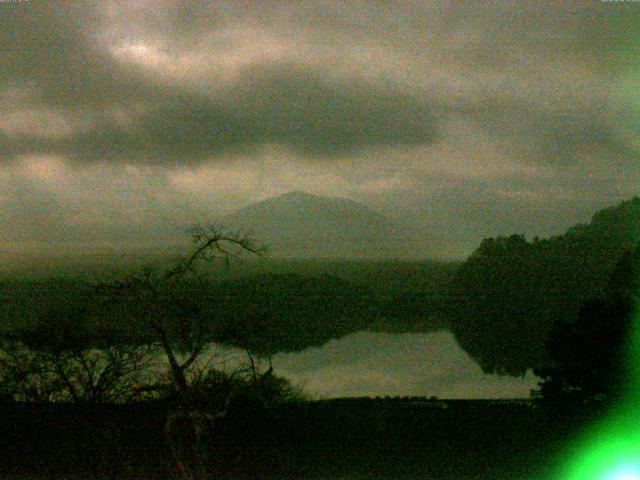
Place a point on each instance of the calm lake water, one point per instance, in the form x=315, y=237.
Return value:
x=379, y=364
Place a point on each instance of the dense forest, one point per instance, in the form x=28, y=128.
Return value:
x=505, y=299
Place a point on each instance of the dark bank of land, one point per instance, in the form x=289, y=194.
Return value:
x=347, y=439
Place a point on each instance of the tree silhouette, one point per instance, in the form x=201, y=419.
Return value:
x=590, y=355
x=63, y=356
x=505, y=299
x=163, y=306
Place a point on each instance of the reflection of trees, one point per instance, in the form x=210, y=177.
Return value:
x=273, y=313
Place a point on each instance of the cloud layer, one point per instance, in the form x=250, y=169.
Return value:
x=465, y=119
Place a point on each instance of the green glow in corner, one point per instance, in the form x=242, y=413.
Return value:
x=624, y=473
x=611, y=449
x=609, y=453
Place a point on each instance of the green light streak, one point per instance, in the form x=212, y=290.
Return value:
x=610, y=450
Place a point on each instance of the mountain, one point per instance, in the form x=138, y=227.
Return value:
x=508, y=295
x=302, y=225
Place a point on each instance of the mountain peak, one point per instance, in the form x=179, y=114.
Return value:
x=300, y=224
x=297, y=194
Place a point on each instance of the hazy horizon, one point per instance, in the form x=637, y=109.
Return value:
x=177, y=241
x=124, y=121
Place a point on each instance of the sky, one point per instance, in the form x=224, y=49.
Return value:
x=122, y=122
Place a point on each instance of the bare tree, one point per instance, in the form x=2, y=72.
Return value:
x=63, y=354
x=81, y=374
x=162, y=304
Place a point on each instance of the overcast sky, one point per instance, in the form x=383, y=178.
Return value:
x=123, y=121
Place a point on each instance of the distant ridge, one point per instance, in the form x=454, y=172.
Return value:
x=303, y=225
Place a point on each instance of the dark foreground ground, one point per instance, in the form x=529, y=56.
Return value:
x=318, y=440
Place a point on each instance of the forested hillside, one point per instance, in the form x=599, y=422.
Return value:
x=506, y=297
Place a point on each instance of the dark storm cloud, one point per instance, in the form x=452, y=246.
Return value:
x=278, y=105
x=283, y=104
x=63, y=56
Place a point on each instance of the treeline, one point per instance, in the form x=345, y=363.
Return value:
x=147, y=333
x=596, y=357
x=282, y=307
x=510, y=294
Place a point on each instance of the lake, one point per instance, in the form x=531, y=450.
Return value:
x=386, y=364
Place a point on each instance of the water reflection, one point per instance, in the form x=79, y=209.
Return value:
x=379, y=364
